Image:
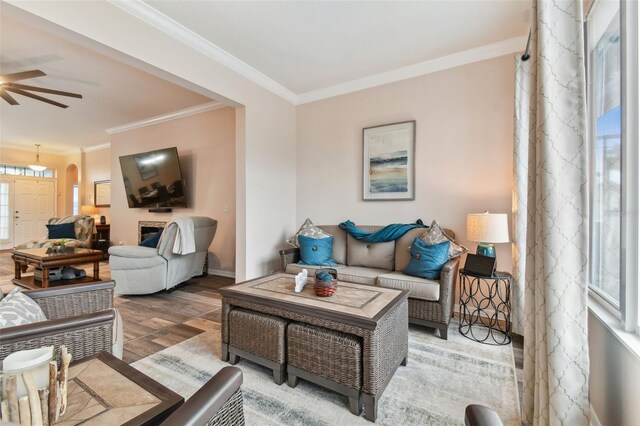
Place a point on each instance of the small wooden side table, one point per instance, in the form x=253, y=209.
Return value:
x=485, y=307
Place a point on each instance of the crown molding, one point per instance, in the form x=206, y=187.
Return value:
x=98, y=147
x=477, y=54
x=198, y=109
x=159, y=20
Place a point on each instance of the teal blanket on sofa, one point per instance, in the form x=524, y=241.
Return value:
x=388, y=233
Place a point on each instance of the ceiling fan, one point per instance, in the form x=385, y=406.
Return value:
x=7, y=85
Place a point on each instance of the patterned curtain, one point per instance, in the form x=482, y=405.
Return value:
x=550, y=217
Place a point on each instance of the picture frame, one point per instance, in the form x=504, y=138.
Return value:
x=389, y=162
x=102, y=193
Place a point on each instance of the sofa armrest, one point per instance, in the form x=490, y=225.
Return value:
x=73, y=300
x=287, y=256
x=448, y=281
x=219, y=401
x=84, y=335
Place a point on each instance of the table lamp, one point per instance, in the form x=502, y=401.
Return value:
x=486, y=229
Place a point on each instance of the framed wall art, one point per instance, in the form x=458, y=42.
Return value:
x=389, y=162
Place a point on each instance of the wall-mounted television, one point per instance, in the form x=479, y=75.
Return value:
x=153, y=179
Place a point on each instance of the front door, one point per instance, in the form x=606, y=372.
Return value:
x=33, y=206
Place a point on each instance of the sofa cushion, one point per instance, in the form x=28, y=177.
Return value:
x=133, y=251
x=316, y=251
x=308, y=229
x=436, y=235
x=419, y=288
x=427, y=259
x=339, y=242
x=403, y=244
x=372, y=255
x=360, y=275
x=296, y=268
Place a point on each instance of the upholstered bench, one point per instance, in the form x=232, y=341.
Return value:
x=259, y=338
x=329, y=358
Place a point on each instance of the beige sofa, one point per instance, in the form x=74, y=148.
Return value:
x=430, y=302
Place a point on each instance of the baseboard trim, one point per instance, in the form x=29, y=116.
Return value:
x=221, y=273
x=595, y=421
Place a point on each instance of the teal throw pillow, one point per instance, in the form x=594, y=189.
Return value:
x=316, y=251
x=63, y=230
x=427, y=259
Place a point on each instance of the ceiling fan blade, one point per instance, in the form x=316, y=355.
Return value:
x=7, y=97
x=42, y=89
x=24, y=75
x=31, y=95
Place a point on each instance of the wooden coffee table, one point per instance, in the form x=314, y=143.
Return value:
x=103, y=390
x=46, y=258
x=377, y=315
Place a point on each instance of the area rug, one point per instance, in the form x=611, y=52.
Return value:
x=440, y=380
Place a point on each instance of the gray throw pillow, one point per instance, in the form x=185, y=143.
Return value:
x=435, y=235
x=308, y=229
x=17, y=309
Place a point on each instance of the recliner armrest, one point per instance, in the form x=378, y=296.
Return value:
x=133, y=251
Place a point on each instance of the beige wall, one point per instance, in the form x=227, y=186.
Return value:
x=96, y=166
x=464, y=139
x=266, y=147
x=59, y=163
x=206, y=147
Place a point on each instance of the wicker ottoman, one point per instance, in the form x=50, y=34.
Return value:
x=259, y=338
x=329, y=358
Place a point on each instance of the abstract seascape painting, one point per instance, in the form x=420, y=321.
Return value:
x=389, y=161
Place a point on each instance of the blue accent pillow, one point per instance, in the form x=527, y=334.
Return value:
x=427, y=259
x=151, y=241
x=316, y=251
x=63, y=230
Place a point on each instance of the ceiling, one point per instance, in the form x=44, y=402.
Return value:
x=312, y=45
x=113, y=93
x=304, y=47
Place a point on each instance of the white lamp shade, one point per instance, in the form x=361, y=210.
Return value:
x=487, y=228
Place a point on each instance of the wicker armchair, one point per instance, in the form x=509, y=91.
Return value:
x=218, y=402
x=80, y=316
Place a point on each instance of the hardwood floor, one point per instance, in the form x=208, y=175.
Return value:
x=158, y=321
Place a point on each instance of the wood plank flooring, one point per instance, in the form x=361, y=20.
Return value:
x=155, y=322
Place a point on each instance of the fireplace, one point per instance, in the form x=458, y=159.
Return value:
x=147, y=228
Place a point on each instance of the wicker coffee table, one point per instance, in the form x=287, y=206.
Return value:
x=375, y=318
x=46, y=258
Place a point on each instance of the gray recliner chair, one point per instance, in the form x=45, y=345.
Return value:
x=145, y=270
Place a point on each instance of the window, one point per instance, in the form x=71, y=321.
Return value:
x=6, y=169
x=76, y=200
x=4, y=211
x=614, y=156
x=605, y=150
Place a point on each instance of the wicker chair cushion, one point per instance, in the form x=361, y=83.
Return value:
x=17, y=309
x=372, y=255
x=339, y=242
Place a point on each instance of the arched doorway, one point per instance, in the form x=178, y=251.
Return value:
x=72, y=191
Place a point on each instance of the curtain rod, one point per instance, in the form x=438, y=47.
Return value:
x=526, y=54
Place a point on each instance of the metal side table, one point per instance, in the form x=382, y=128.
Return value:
x=485, y=307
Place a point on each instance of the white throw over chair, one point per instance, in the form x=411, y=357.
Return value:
x=145, y=270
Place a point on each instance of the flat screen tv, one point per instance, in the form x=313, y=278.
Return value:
x=153, y=179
